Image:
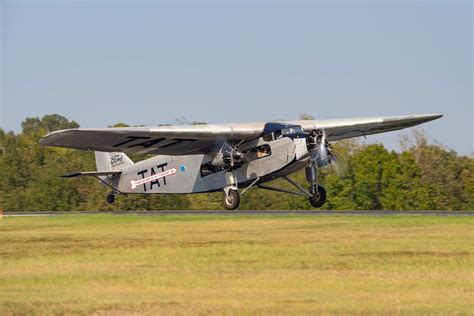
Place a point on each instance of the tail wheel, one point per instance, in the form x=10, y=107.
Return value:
x=231, y=201
x=319, y=198
x=111, y=198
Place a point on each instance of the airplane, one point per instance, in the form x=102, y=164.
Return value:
x=220, y=157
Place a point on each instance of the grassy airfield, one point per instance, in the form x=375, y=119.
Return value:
x=110, y=264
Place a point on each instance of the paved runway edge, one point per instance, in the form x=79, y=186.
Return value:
x=245, y=213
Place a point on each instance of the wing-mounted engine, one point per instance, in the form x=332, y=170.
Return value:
x=232, y=157
x=320, y=155
x=319, y=148
x=229, y=158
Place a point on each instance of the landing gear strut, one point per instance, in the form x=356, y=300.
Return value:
x=231, y=197
x=233, y=159
x=318, y=193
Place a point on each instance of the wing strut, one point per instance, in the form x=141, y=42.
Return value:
x=302, y=192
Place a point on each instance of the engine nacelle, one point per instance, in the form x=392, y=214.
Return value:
x=233, y=157
x=230, y=158
x=318, y=148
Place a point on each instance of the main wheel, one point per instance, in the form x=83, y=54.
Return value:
x=232, y=200
x=110, y=198
x=318, y=199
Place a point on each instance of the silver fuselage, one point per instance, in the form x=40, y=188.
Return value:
x=183, y=174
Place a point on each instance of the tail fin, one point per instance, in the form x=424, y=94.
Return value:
x=111, y=161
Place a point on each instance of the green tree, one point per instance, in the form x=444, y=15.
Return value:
x=305, y=117
x=49, y=123
x=423, y=176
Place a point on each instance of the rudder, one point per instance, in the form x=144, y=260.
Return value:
x=114, y=161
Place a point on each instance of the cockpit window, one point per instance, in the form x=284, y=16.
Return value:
x=288, y=131
x=268, y=137
x=291, y=130
x=276, y=130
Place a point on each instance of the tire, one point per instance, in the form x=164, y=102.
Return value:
x=318, y=199
x=232, y=201
x=110, y=198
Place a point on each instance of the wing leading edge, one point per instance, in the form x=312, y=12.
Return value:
x=163, y=140
x=337, y=129
x=191, y=139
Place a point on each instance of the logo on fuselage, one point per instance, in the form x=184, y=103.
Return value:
x=154, y=179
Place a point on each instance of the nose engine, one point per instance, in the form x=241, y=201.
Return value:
x=319, y=148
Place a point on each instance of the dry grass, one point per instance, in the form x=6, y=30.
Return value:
x=108, y=265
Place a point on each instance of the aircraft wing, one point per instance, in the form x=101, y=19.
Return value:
x=337, y=129
x=159, y=140
x=193, y=139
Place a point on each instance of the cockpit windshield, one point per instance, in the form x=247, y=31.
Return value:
x=277, y=130
x=291, y=130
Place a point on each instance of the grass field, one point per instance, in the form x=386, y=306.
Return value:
x=110, y=264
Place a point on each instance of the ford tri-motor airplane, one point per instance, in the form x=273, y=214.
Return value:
x=227, y=157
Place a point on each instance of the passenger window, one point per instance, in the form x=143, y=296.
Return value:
x=257, y=152
x=263, y=151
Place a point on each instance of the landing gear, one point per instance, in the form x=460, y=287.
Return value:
x=318, y=197
x=233, y=159
x=318, y=193
x=111, y=198
x=231, y=200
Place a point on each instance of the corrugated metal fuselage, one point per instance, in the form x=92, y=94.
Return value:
x=183, y=174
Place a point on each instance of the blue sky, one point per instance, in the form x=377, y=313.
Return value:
x=151, y=62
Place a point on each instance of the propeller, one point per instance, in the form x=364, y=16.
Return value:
x=233, y=157
x=319, y=148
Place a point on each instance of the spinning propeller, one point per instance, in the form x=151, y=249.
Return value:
x=319, y=148
x=233, y=157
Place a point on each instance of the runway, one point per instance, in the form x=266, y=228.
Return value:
x=245, y=213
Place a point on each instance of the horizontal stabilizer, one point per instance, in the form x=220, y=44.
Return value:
x=92, y=174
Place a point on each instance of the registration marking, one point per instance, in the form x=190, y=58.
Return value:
x=136, y=183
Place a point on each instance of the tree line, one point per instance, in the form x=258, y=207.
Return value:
x=423, y=176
